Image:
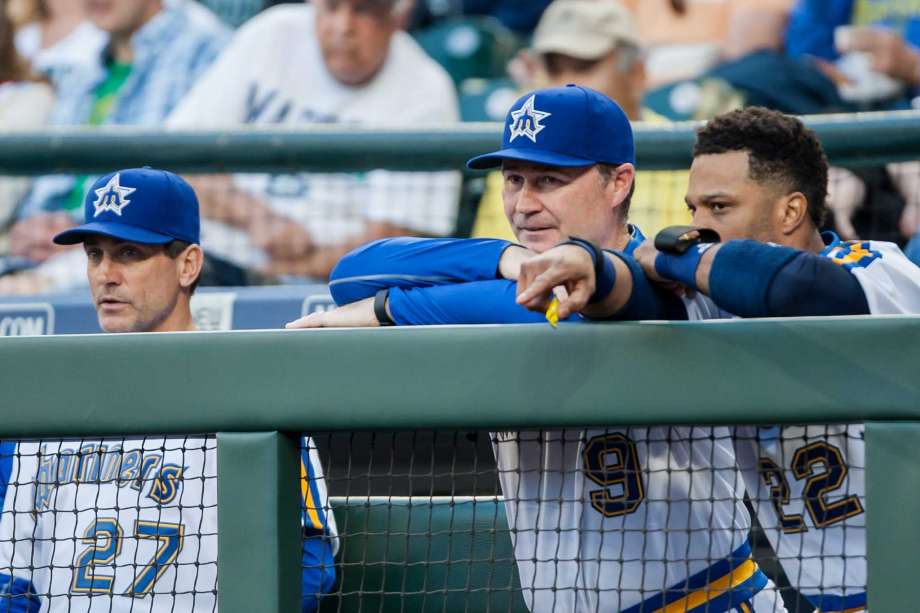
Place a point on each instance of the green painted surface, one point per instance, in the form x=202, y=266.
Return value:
x=871, y=138
x=893, y=514
x=258, y=562
x=424, y=554
x=789, y=371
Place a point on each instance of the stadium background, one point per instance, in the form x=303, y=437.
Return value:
x=454, y=463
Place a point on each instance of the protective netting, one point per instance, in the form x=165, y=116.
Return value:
x=632, y=519
x=114, y=524
x=554, y=520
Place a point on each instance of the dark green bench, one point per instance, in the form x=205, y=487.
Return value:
x=424, y=554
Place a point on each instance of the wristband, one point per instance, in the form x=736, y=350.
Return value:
x=681, y=268
x=380, y=308
x=605, y=275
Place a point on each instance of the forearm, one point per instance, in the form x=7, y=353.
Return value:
x=221, y=200
x=476, y=302
x=634, y=297
x=413, y=262
x=752, y=279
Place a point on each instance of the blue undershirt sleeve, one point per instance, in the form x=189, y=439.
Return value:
x=753, y=279
x=476, y=302
x=647, y=301
x=413, y=262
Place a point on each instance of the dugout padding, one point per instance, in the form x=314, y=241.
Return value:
x=424, y=554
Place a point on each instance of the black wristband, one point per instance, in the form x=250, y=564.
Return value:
x=605, y=275
x=380, y=308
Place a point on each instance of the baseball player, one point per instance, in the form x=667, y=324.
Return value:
x=130, y=524
x=603, y=519
x=759, y=180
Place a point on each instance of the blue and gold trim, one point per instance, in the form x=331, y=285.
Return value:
x=849, y=254
x=728, y=584
x=838, y=604
x=314, y=518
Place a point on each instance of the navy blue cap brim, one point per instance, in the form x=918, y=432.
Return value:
x=113, y=230
x=524, y=154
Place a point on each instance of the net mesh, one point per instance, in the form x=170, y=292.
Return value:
x=112, y=524
x=598, y=519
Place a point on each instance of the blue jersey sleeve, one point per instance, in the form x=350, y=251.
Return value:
x=476, y=302
x=811, y=27
x=413, y=262
x=753, y=279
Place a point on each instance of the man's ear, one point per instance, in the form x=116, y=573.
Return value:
x=190, y=262
x=792, y=212
x=620, y=184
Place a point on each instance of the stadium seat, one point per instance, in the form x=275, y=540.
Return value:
x=486, y=99
x=470, y=47
x=424, y=554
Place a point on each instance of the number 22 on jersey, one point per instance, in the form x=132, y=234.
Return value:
x=104, y=537
x=818, y=486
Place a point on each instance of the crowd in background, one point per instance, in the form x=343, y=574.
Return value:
x=189, y=64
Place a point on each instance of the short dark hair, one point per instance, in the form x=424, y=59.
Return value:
x=607, y=172
x=780, y=150
x=173, y=249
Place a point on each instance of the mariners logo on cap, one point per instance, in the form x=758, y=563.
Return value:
x=112, y=197
x=526, y=121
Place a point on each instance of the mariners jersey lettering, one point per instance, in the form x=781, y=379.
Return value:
x=120, y=524
x=617, y=519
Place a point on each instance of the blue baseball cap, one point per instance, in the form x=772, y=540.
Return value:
x=564, y=126
x=140, y=205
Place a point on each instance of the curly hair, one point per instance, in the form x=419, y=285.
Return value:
x=781, y=150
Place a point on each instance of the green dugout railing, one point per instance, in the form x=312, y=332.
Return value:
x=258, y=389
x=850, y=140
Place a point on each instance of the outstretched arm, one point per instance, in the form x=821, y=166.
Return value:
x=421, y=262
x=754, y=279
x=476, y=302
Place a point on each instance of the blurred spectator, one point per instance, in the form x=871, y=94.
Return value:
x=593, y=44
x=24, y=104
x=334, y=61
x=54, y=35
x=870, y=50
x=155, y=50
x=874, y=45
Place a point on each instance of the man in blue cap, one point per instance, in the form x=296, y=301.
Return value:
x=141, y=239
x=568, y=163
x=602, y=519
x=143, y=262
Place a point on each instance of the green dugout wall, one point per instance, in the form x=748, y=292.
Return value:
x=258, y=389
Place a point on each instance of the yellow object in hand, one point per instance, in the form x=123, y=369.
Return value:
x=552, y=313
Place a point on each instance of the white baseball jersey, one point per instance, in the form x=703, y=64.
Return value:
x=807, y=483
x=117, y=524
x=628, y=519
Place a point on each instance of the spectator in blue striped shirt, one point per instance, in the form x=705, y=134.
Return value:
x=155, y=52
